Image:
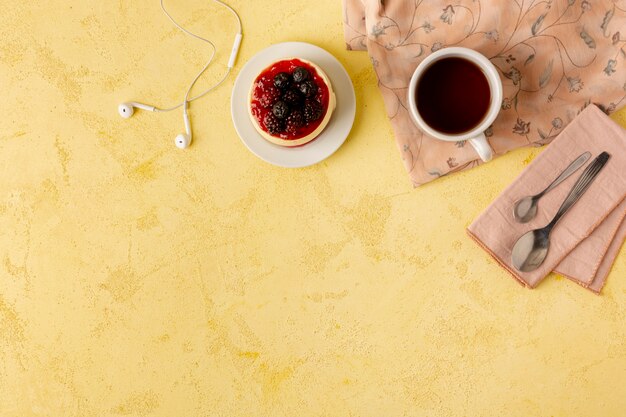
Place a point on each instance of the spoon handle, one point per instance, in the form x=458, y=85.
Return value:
x=588, y=175
x=577, y=163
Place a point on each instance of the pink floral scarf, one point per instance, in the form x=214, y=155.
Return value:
x=555, y=57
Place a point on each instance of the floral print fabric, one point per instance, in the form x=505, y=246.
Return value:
x=555, y=57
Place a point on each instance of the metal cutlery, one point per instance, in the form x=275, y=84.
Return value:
x=525, y=209
x=531, y=249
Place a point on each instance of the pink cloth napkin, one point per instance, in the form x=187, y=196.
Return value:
x=585, y=242
x=555, y=57
x=591, y=272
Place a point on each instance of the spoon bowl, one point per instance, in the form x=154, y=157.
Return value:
x=525, y=209
x=531, y=250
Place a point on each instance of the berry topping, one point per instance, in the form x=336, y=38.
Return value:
x=312, y=111
x=308, y=88
x=289, y=101
x=270, y=96
x=300, y=74
x=292, y=97
x=282, y=80
x=294, y=121
x=280, y=109
x=273, y=124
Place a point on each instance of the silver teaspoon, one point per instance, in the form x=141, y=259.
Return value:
x=531, y=249
x=525, y=209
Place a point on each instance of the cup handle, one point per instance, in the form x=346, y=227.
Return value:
x=482, y=147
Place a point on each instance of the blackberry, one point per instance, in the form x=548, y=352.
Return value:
x=270, y=96
x=300, y=74
x=312, y=111
x=280, y=109
x=273, y=124
x=282, y=80
x=292, y=97
x=294, y=121
x=308, y=88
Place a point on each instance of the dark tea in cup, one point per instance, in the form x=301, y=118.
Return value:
x=453, y=95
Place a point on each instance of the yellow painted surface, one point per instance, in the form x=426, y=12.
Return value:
x=140, y=280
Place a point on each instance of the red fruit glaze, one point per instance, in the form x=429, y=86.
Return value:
x=266, y=79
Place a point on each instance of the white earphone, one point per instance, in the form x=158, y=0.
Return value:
x=127, y=109
x=183, y=140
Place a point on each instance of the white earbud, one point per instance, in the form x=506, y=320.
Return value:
x=183, y=140
x=126, y=110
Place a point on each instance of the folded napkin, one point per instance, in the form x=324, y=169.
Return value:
x=555, y=57
x=585, y=242
x=589, y=271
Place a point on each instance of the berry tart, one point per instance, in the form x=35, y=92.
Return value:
x=291, y=102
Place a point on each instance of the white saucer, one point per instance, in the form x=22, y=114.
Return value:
x=335, y=132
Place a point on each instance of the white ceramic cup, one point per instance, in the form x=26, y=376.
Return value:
x=476, y=137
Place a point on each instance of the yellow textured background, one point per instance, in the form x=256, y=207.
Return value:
x=140, y=280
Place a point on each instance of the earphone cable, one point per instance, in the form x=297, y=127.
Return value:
x=159, y=110
x=187, y=99
x=232, y=11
